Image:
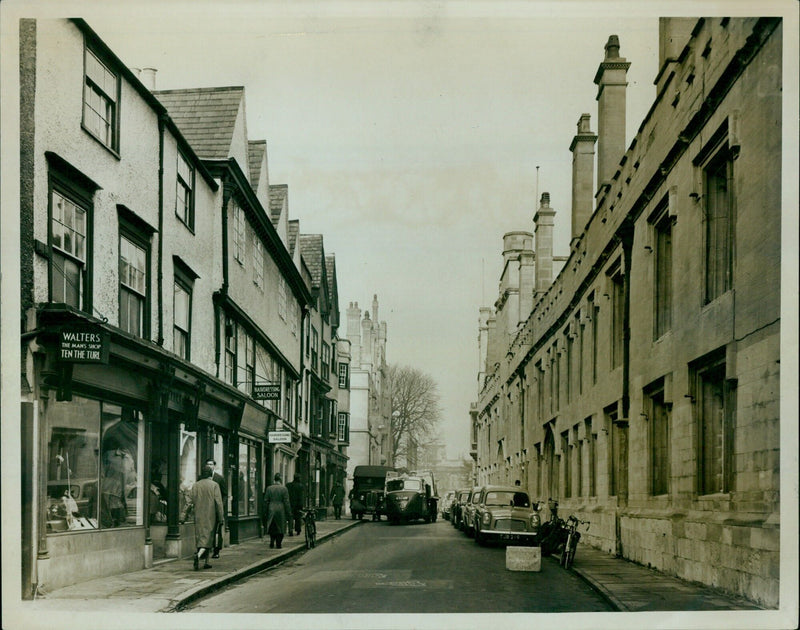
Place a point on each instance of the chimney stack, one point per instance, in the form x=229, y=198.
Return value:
x=543, y=221
x=354, y=333
x=582, y=148
x=366, y=341
x=148, y=78
x=612, y=84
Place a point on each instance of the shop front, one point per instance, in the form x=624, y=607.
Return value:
x=118, y=430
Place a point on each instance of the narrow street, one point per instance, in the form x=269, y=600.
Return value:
x=416, y=568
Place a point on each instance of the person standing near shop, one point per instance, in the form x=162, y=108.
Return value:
x=338, y=499
x=297, y=497
x=277, y=509
x=206, y=501
x=220, y=480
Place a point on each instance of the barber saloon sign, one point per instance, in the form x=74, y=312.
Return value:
x=83, y=344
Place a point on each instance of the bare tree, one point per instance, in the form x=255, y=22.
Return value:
x=415, y=410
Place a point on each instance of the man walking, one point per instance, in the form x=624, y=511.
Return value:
x=206, y=500
x=277, y=510
x=338, y=500
x=223, y=489
x=297, y=498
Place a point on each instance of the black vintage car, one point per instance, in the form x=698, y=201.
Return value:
x=410, y=497
x=366, y=497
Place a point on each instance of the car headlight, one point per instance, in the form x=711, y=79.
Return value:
x=487, y=518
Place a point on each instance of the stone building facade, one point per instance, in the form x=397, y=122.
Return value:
x=370, y=396
x=639, y=387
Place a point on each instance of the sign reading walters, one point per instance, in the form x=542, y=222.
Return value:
x=83, y=343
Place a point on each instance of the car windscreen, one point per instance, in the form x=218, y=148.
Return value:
x=404, y=484
x=517, y=499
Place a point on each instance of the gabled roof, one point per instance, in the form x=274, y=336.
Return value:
x=294, y=231
x=277, y=195
x=257, y=149
x=312, y=252
x=205, y=116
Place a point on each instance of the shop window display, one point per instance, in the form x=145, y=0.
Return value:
x=188, y=465
x=95, y=453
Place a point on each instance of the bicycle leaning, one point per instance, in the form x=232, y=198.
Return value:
x=571, y=544
x=310, y=527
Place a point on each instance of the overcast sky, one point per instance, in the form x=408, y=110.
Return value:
x=409, y=135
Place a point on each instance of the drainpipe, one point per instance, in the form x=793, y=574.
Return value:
x=161, y=124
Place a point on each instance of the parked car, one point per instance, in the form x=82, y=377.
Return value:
x=468, y=514
x=505, y=514
x=457, y=509
x=447, y=502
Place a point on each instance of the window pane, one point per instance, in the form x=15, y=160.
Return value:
x=72, y=464
x=120, y=485
x=181, y=307
x=243, y=471
x=188, y=465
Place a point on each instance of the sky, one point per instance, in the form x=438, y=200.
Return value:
x=409, y=135
x=412, y=136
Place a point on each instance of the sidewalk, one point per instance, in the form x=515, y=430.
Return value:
x=630, y=587
x=172, y=584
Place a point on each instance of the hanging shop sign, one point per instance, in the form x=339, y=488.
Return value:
x=267, y=391
x=83, y=344
x=280, y=437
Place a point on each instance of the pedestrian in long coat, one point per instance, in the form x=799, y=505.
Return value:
x=338, y=500
x=206, y=501
x=277, y=509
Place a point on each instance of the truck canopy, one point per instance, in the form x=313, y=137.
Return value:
x=371, y=471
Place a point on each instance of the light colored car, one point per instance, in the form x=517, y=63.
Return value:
x=468, y=515
x=505, y=514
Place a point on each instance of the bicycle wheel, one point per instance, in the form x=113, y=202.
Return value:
x=311, y=540
x=565, y=551
x=570, y=555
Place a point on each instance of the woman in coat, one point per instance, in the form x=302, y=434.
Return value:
x=206, y=500
x=277, y=509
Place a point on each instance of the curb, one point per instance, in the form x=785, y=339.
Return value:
x=187, y=597
x=612, y=599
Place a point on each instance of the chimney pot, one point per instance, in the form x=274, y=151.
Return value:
x=612, y=47
x=148, y=78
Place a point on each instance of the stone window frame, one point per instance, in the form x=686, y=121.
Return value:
x=658, y=413
x=660, y=224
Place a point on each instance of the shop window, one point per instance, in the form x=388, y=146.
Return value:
x=188, y=467
x=248, y=478
x=68, y=238
x=133, y=282
x=184, y=198
x=94, y=455
x=100, y=100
